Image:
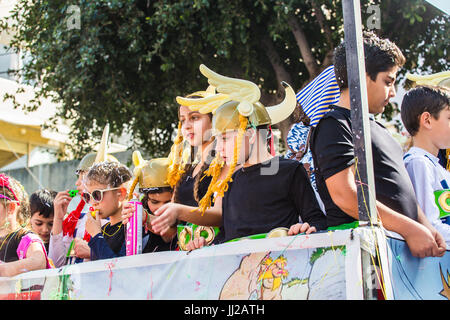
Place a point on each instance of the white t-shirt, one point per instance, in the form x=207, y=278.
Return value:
x=427, y=176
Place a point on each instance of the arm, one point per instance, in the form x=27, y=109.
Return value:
x=305, y=200
x=169, y=213
x=423, y=178
x=58, y=248
x=35, y=260
x=420, y=240
x=60, y=205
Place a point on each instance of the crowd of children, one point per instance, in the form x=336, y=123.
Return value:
x=220, y=181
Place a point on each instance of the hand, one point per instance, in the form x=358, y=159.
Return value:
x=167, y=216
x=197, y=243
x=60, y=204
x=128, y=212
x=441, y=244
x=421, y=241
x=81, y=248
x=301, y=228
x=93, y=226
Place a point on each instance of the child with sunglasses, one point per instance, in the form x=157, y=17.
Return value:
x=105, y=189
x=20, y=249
x=68, y=239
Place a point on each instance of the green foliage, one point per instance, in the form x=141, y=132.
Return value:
x=130, y=58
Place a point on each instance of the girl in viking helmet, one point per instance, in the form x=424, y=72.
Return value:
x=71, y=228
x=156, y=191
x=259, y=192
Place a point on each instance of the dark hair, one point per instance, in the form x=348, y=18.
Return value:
x=112, y=174
x=380, y=55
x=42, y=201
x=422, y=99
x=146, y=192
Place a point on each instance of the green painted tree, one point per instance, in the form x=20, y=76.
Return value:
x=124, y=62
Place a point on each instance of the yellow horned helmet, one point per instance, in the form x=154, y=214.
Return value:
x=441, y=79
x=152, y=173
x=240, y=109
x=241, y=96
x=101, y=155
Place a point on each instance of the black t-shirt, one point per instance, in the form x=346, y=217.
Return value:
x=333, y=151
x=155, y=243
x=185, y=189
x=9, y=245
x=114, y=236
x=257, y=202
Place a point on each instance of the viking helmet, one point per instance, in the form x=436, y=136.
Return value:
x=152, y=173
x=101, y=155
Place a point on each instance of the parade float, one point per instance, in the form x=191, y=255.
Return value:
x=362, y=261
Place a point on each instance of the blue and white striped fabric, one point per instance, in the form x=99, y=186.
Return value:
x=318, y=95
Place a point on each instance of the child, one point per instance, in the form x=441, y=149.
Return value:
x=106, y=189
x=156, y=191
x=42, y=212
x=333, y=153
x=20, y=249
x=260, y=192
x=425, y=114
x=68, y=232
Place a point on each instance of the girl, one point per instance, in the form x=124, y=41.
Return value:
x=20, y=249
x=106, y=189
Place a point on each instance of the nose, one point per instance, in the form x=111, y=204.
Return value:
x=46, y=229
x=392, y=92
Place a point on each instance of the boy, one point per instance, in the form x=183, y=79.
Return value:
x=425, y=114
x=106, y=189
x=333, y=153
x=42, y=212
x=259, y=192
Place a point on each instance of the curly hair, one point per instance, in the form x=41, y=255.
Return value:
x=112, y=174
x=15, y=190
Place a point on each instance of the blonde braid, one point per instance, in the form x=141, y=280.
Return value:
x=213, y=171
x=222, y=186
x=176, y=169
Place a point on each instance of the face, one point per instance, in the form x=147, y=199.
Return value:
x=79, y=182
x=441, y=129
x=42, y=226
x=111, y=202
x=226, y=142
x=380, y=91
x=195, y=127
x=156, y=200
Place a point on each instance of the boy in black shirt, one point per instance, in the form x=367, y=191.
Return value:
x=259, y=192
x=333, y=153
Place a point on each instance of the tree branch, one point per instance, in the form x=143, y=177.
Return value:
x=321, y=20
x=302, y=43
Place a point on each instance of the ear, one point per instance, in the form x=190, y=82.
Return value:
x=11, y=208
x=123, y=193
x=425, y=120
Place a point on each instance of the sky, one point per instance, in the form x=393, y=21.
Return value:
x=444, y=5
